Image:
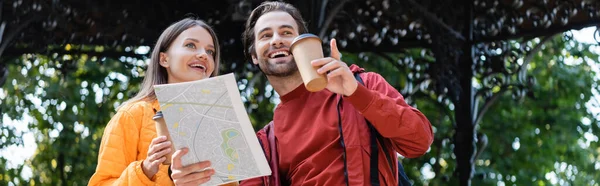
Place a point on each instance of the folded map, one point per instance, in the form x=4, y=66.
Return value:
x=208, y=117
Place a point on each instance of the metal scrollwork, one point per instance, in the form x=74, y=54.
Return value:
x=3, y=74
x=500, y=67
x=501, y=20
x=385, y=27
x=377, y=24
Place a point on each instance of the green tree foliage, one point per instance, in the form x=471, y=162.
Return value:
x=549, y=138
x=552, y=137
x=67, y=99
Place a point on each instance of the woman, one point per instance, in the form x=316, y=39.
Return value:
x=187, y=50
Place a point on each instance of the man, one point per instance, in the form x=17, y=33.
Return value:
x=307, y=125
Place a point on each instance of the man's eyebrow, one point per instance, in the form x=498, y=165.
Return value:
x=286, y=26
x=280, y=27
x=264, y=30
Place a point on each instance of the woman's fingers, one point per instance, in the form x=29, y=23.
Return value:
x=190, y=169
x=155, y=156
x=198, y=166
x=176, y=158
x=158, y=161
x=161, y=153
x=193, y=174
x=159, y=147
x=200, y=181
x=194, y=178
x=158, y=139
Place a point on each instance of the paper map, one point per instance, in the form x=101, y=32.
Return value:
x=209, y=118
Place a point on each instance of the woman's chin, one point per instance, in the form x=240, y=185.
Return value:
x=201, y=77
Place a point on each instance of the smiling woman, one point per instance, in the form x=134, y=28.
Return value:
x=190, y=57
x=130, y=151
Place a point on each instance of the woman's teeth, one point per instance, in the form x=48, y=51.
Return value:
x=197, y=66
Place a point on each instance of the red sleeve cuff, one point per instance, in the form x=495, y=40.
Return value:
x=361, y=98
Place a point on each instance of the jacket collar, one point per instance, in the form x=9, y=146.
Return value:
x=155, y=105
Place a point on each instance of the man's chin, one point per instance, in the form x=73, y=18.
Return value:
x=279, y=67
x=281, y=61
x=281, y=71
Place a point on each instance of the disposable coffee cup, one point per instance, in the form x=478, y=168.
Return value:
x=162, y=130
x=305, y=48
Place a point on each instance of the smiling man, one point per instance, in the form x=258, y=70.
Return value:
x=322, y=138
x=276, y=60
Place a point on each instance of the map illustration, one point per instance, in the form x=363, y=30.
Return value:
x=209, y=118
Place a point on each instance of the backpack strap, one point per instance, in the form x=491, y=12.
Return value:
x=275, y=178
x=344, y=157
x=376, y=136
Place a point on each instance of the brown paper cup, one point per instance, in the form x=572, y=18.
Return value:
x=305, y=48
x=162, y=130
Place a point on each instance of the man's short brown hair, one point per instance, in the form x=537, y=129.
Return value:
x=262, y=9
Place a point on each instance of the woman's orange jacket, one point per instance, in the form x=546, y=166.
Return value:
x=124, y=146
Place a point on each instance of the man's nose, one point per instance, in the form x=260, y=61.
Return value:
x=277, y=41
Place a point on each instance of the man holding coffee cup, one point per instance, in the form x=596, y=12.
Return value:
x=321, y=136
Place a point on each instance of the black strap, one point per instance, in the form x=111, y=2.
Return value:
x=374, y=159
x=342, y=141
x=375, y=136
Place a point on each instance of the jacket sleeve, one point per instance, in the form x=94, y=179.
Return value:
x=117, y=163
x=264, y=142
x=260, y=181
x=381, y=104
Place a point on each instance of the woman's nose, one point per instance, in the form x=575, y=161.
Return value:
x=202, y=54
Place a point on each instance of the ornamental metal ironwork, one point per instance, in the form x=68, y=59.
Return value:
x=462, y=42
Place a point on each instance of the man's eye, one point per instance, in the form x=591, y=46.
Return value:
x=287, y=33
x=190, y=45
x=265, y=36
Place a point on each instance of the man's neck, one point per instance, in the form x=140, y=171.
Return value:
x=284, y=85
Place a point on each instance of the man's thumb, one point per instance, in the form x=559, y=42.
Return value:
x=335, y=53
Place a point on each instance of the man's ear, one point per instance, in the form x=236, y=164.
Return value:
x=163, y=60
x=254, y=60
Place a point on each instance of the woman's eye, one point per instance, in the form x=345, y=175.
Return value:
x=190, y=45
x=210, y=52
x=287, y=33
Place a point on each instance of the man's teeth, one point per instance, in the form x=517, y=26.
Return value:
x=279, y=54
